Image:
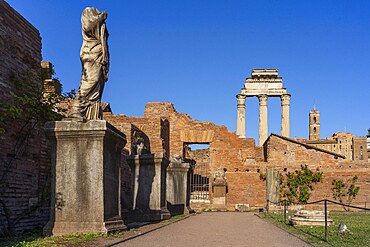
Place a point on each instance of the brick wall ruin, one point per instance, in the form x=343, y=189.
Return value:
x=24, y=162
x=243, y=160
x=228, y=151
x=284, y=153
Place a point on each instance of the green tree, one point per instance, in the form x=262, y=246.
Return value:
x=296, y=187
x=345, y=191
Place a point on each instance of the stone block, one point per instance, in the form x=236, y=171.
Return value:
x=86, y=172
x=219, y=189
x=149, y=187
x=272, y=186
x=310, y=218
x=178, y=188
x=242, y=207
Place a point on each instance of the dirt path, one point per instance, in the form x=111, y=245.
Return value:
x=217, y=229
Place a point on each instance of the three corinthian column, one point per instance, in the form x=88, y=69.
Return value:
x=263, y=123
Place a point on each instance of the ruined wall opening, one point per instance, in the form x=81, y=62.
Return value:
x=199, y=155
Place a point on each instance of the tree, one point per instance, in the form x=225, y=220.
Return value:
x=297, y=186
x=345, y=192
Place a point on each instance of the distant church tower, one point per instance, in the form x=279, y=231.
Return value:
x=314, y=125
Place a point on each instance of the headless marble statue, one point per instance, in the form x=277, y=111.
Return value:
x=94, y=57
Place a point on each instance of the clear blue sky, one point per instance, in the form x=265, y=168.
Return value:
x=197, y=54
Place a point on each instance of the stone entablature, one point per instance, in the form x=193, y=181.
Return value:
x=263, y=83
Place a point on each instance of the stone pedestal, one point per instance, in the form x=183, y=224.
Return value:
x=149, y=187
x=85, y=194
x=219, y=189
x=178, y=188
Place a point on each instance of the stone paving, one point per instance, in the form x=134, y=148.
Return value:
x=217, y=229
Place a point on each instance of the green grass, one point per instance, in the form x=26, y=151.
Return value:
x=357, y=223
x=35, y=240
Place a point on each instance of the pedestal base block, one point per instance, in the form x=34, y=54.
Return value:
x=86, y=171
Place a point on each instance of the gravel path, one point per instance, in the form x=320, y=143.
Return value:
x=217, y=229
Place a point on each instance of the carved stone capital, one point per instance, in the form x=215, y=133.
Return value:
x=241, y=100
x=285, y=99
x=263, y=99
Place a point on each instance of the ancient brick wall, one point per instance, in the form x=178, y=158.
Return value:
x=155, y=131
x=289, y=155
x=245, y=188
x=243, y=160
x=24, y=162
x=239, y=156
x=20, y=46
x=201, y=156
x=226, y=149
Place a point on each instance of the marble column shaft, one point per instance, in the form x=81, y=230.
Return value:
x=263, y=124
x=285, y=118
x=285, y=115
x=240, y=123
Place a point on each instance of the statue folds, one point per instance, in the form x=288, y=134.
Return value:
x=94, y=57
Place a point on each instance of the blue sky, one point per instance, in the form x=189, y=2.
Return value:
x=197, y=54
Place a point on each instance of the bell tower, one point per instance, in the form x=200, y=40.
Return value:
x=314, y=124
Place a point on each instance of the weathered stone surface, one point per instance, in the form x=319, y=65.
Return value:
x=177, y=187
x=263, y=83
x=263, y=120
x=285, y=115
x=219, y=189
x=310, y=218
x=149, y=187
x=240, y=122
x=272, y=186
x=242, y=207
x=94, y=56
x=85, y=177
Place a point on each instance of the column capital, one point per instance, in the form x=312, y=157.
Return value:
x=285, y=99
x=263, y=99
x=241, y=100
